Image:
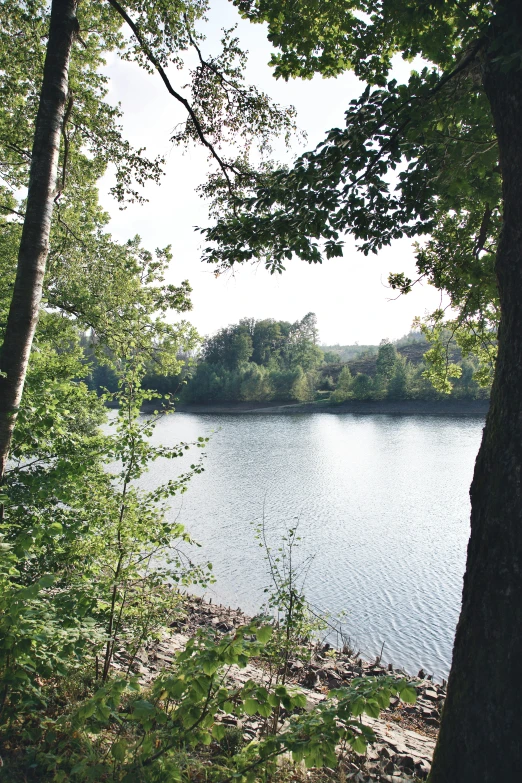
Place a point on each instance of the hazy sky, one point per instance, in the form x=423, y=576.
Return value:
x=349, y=294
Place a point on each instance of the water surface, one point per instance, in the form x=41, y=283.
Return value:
x=382, y=503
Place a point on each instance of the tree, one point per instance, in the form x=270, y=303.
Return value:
x=399, y=383
x=32, y=256
x=386, y=360
x=449, y=141
x=362, y=386
x=256, y=385
x=301, y=349
x=268, y=339
x=344, y=386
x=330, y=357
x=65, y=124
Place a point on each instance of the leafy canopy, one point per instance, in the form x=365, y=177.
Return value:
x=415, y=158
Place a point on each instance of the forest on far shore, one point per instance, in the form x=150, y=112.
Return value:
x=270, y=360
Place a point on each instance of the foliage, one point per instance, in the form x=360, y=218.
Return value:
x=295, y=625
x=88, y=555
x=169, y=731
x=256, y=361
x=407, y=369
x=414, y=367
x=413, y=158
x=344, y=386
x=90, y=559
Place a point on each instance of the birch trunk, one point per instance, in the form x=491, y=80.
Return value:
x=34, y=245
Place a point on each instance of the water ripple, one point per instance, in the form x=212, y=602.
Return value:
x=382, y=504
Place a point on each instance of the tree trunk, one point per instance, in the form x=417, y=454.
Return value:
x=34, y=245
x=480, y=740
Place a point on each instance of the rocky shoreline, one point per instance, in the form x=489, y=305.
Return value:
x=406, y=733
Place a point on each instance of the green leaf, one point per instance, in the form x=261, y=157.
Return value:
x=408, y=694
x=358, y=743
x=299, y=700
x=118, y=750
x=143, y=709
x=210, y=667
x=357, y=706
x=250, y=706
x=265, y=710
x=47, y=580
x=218, y=731
x=372, y=708
x=264, y=633
x=205, y=737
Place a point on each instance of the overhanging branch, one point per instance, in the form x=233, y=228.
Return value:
x=225, y=167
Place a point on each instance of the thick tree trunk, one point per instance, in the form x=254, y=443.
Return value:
x=34, y=245
x=480, y=738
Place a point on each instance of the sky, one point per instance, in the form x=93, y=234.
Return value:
x=349, y=295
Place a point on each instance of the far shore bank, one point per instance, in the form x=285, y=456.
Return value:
x=471, y=408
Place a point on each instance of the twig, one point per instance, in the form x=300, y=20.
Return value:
x=225, y=167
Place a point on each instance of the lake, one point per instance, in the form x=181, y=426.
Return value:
x=382, y=505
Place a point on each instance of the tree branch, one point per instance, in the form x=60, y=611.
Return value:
x=205, y=64
x=66, y=116
x=12, y=211
x=225, y=167
x=483, y=233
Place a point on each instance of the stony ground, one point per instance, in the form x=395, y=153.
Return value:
x=406, y=733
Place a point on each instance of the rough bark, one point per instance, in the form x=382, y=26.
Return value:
x=34, y=245
x=479, y=739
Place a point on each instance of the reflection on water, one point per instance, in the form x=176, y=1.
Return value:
x=382, y=503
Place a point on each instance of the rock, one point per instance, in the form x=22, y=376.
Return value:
x=333, y=680
x=164, y=658
x=430, y=694
x=311, y=679
x=422, y=769
x=372, y=754
x=229, y=720
x=404, y=762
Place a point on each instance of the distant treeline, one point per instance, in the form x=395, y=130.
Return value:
x=269, y=360
x=258, y=361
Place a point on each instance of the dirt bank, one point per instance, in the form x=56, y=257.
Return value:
x=470, y=408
